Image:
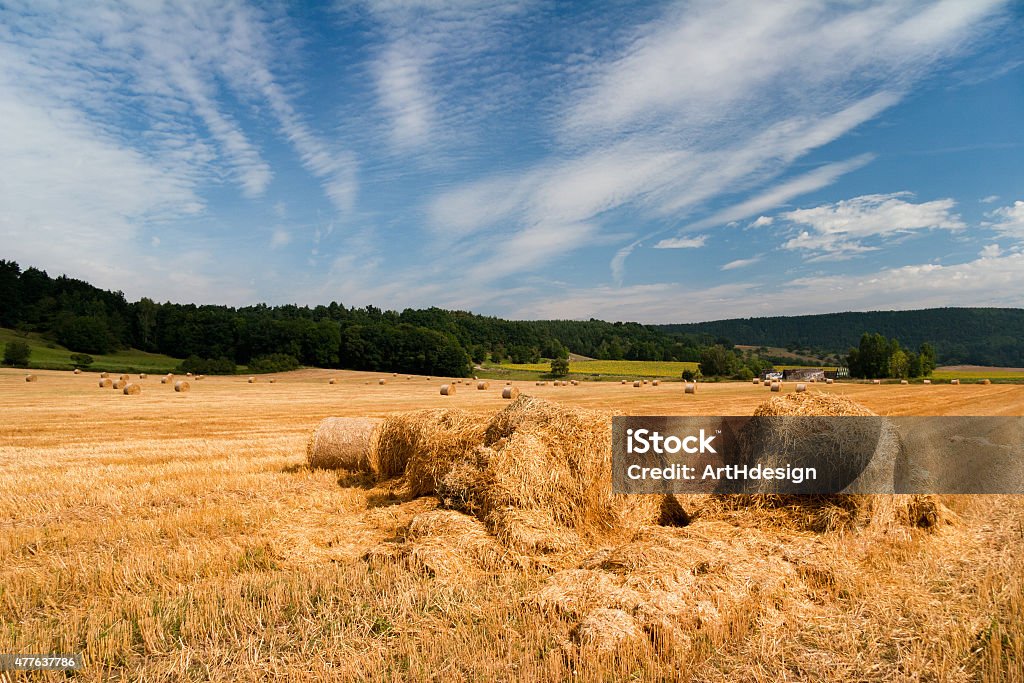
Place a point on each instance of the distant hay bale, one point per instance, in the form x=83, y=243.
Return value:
x=903, y=381
x=636, y=384
x=131, y=389
x=574, y=382
x=188, y=374
x=381, y=381
x=776, y=386
x=447, y=389
x=105, y=383
x=342, y=443
x=623, y=382
x=801, y=388
x=756, y=380
x=31, y=378
x=876, y=381
x=120, y=384
x=475, y=377
x=104, y=375
x=142, y=375
x=165, y=380
x=483, y=385
x=272, y=380
x=508, y=383
x=252, y=380
x=690, y=388
x=767, y=383
x=394, y=374
x=954, y=381
x=200, y=377
x=655, y=383
x=124, y=378
x=510, y=392
x=645, y=381
x=78, y=371
x=181, y=386
x=985, y=381
x=331, y=381
x=926, y=381
x=829, y=380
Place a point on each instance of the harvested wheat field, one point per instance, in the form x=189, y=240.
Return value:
x=183, y=536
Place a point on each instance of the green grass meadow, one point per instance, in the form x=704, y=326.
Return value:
x=49, y=355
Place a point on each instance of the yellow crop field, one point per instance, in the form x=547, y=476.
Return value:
x=183, y=537
x=623, y=368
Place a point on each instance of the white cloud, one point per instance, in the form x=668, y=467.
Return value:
x=762, y=222
x=990, y=251
x=1008, y=220
x=741, y=263
x=682, y=242
x=280, y=238
x=991, y=199
x=836, y=229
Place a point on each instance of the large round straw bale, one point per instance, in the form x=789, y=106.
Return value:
x=876, y=381
x=954, y=381
x=105, y=383
x=926, y=381
x=475, y=377
x=508, y=383
x=382, y=381
x=124, y=378
x=510, y=392
x=903, y=381
x=829, y=380
x=756, y=380
x=182, y=386
x=165, y=380
x=78, y=371
x=132, y=389
x=767, y=383
x=331, y=381
x=120, y=384
x=655, y=383
x=636, y=384
x=394, y=374
x=801, y=388
x=31, y=378
x=690, y=388
x=104, y=375
x=483, y=385
x=142, y=375
x=447, y=389
x=188, y=374
x=645, y=381
x=252, y=380
x=622, y=382
x=776, y=386
x=985, y=381
x=574, y=382
x=342, y=443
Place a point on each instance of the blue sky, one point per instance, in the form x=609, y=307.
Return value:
x=658, y=162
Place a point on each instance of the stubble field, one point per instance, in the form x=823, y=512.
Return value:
x=179, y=536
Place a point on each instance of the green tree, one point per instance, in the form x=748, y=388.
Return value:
x=17, y=353
x=81, y=360
x=560, y=367
x=717, y=361
x=85, y=333
x=899, y=364
x=927, y=353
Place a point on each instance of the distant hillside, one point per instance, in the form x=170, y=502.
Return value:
x=980, y=336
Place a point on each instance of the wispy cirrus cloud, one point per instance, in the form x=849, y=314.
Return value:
x=1008, y=220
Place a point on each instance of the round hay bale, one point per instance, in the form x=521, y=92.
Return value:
x=508, y=383
x=829, y=381
x=188, y=374
x=124, y=378
x=876, y=381
x=165, y=380
x=655, y=383
x=120, y=384
x=142, y=375
x=756, y=381
x=409, y=377
x=645, y=381
x=801, y=388
x=954, y=381
x=105, y=383
x=574, y=382
x=200, y=377
x=31, y=378
x=483, y=385
x=395, y=374
x=273, y=380
x=447, y=389
x=636, y=384
x=690, y=388
x=776, y=386
x=104, y=375
x=623, y=382
x=331, y=381
x=903, y=381
x=131, y=389
x=475, y=377
x=252, y=380
x=382, y=381
x=510, y=392
x=78, y=371
x=342, y=443
x=926, y=381
x=181, y=386
x=985, y=381
x=767, y=383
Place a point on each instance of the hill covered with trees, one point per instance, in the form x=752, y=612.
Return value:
x=979, y=336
